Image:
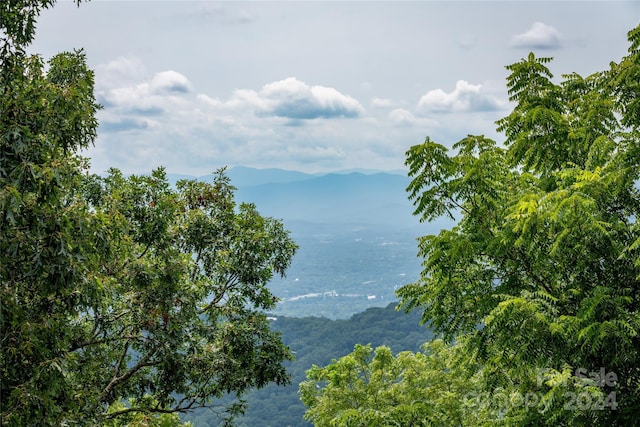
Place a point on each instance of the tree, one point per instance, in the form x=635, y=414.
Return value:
x=46, y=245
x=542, y=268
x=120, y=296
x=187, y=292
x=375, y=388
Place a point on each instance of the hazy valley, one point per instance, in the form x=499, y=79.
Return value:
x=355, y=231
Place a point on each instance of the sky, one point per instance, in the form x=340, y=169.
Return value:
x=313, y=86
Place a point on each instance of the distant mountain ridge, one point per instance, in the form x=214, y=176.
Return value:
x=335, y=198
x=243, y=176
x=367, y=197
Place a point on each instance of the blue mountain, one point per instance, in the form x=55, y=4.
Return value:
x=335, y=198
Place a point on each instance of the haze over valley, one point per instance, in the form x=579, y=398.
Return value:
x=356, y=233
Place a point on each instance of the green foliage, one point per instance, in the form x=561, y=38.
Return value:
x=50, y=243
x=174, y=306
x=116, y=288
x=18, y=24
x=541, y=269
x=375, y=388
x=139, y=419
x=187, y=292
x=535, y=288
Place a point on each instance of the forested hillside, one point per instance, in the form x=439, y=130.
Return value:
x=318, y=341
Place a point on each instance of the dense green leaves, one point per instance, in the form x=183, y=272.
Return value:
x=18, y=23
x=375, y=388
x=188, y=286
x=541, y=268
x=47, y=248
x=535, y=287
x=118, y=289
x=317, y=340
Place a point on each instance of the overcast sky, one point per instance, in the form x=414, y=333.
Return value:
x=313, y=86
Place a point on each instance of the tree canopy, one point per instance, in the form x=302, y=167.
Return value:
x=539, y=278
x=121, y=297
x=372, y=387
x=542, y=267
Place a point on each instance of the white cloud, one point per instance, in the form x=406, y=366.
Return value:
x=160, y=120
x=312, y=153
x=465, y=97
x=149, y=97
x=402, y=117
x=289, y=99
x=124, y=125
x=211, y=102
x=293, y=99
x=539, y=36
x=360, y=49
x=169, y=81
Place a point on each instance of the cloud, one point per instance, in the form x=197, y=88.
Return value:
x=464, y=98
x=169, y=81
x=211, y=102
x=159, y=119
x=402, y=117
x=539, y=36
x=122, y=70
x=294, y=99
x=289, y=99
x=150, y=97
x=313, y=153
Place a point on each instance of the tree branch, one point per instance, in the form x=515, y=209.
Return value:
x=143, y=362
x=229, y=284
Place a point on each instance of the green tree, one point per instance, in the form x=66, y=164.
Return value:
x=117, y=289
x=375, y=388
x=542, y=267
x=46, y=244
x=536, y=286
x=186, y=291
x=140, y=419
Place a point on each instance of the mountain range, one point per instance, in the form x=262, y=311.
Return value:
x=345, y=197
